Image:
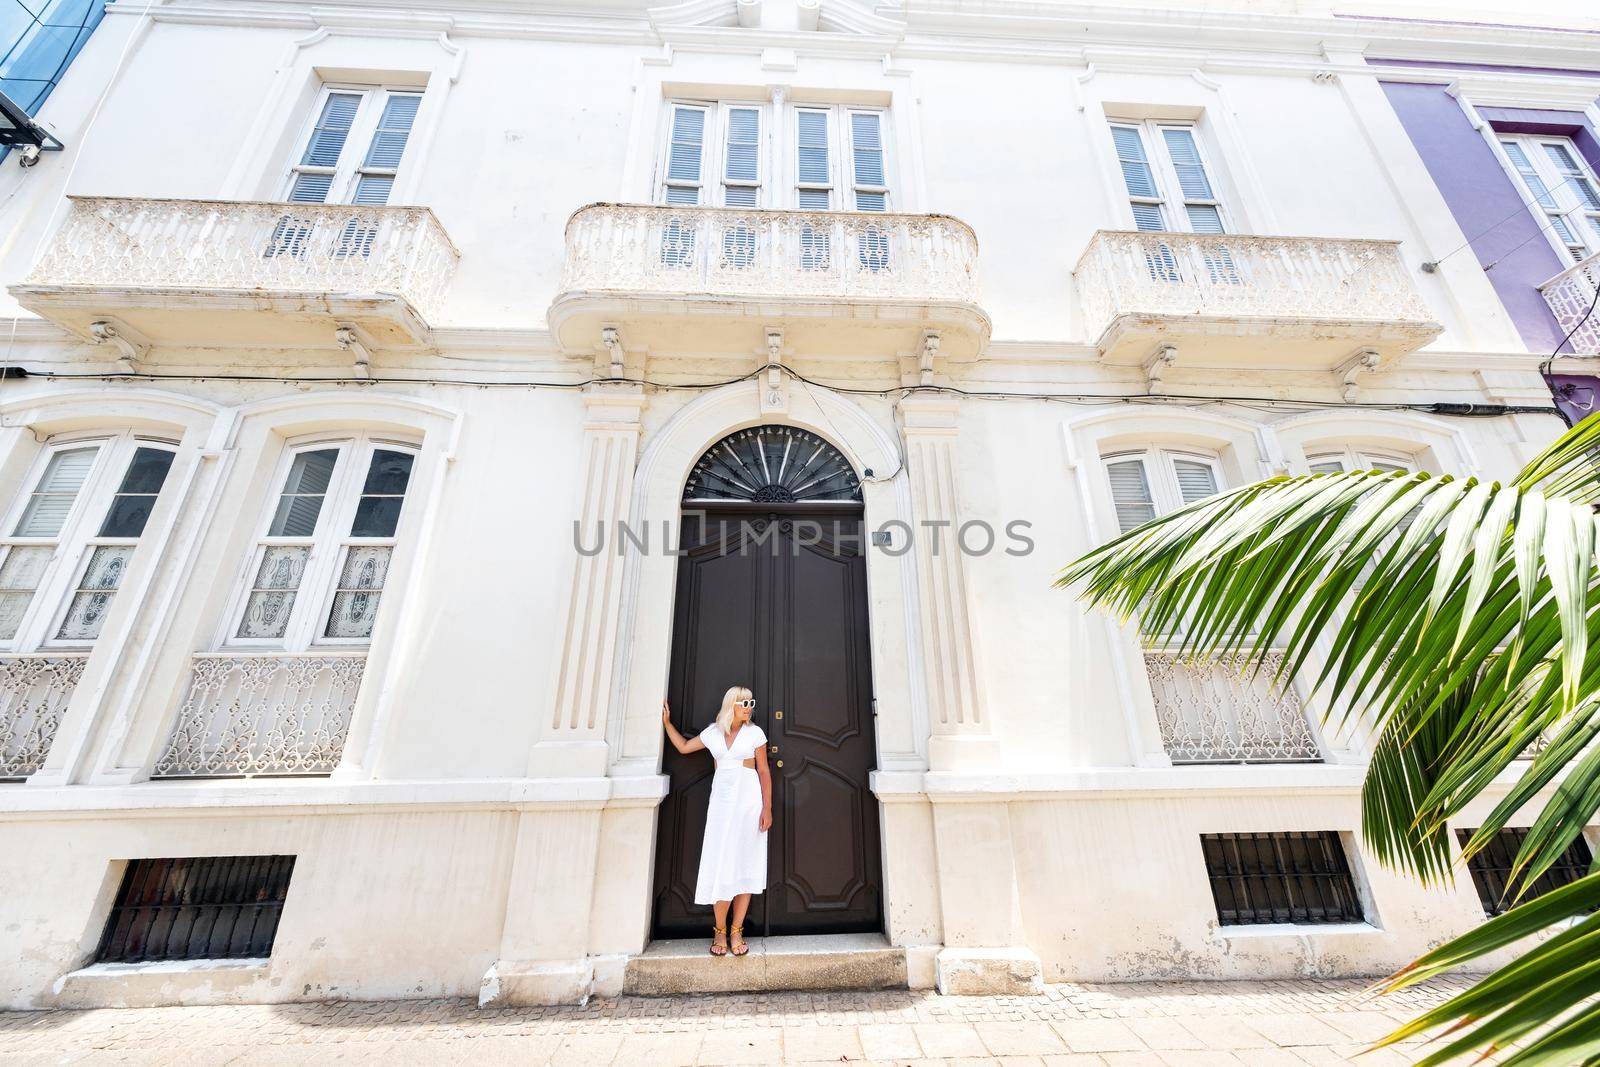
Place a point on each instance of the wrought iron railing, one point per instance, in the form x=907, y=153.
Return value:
x=748, y=252
x=1238, y=275
x=124, y=242
x=262, y=714
x=1224, y=712
x=1571, y=296
x=34, y=692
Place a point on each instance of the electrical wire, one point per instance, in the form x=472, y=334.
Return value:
x=1464, y=410
x=1584, y=171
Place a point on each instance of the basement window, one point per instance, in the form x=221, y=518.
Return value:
x=1296, y=877
x=1491, y=868
x=202, y=908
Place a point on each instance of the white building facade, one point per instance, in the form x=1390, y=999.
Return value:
x=383, y=384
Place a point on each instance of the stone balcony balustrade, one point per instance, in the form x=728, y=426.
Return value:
x=698, y=280
x=1242, y=301
x=1571, y=296
x=136, y=272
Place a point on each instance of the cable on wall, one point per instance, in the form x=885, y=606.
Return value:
x=1446, y=408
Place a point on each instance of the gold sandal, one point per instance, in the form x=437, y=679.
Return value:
x=716, y=932
x=736, y=941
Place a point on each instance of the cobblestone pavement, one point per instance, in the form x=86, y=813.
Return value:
x=1199, y=1024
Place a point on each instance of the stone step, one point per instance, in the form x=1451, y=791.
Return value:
x=825, y=961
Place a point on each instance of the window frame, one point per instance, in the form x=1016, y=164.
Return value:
x=1166, y=494
x=1357, y=458
x=777, y=188
x=73, y=545
x=1171, y=201
x=329, y=541
x=708, y=138
x=347, y=172
x=1581, y=219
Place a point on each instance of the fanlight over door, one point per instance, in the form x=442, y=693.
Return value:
x=773, y=465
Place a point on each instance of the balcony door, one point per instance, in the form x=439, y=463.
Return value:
x=772, y=594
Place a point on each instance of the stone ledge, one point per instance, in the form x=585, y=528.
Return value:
x=825, y=962
x=988, y=972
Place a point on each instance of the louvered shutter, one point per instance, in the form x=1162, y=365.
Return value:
x=741, y=170
x=319, y=165
x=1196, y=480
x=1326, y=465
x=52, y=499
x=813, y=167
x=1199, y=200
x=1539, y=189
x=866, y=152
x=1130, y=492
x=685, y=154
x=1139, y=178
x=388, y=145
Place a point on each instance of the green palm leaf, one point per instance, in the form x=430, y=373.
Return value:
x=1460, y=619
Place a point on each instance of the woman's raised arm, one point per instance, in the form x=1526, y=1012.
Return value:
x=684, y=747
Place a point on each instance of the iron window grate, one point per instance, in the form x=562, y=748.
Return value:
x=1296, y=877
x=203, y=908
x=1491, y=868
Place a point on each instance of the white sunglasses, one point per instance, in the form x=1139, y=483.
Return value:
x=750, y=703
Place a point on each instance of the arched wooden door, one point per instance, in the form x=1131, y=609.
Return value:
x=772, y=594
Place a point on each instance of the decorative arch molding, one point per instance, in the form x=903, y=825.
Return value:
x=295, y=416
x=125, y=407
x=1247, y=450
x=633, y=730
x=1443, y=447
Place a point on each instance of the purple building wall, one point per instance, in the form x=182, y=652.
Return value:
x=1503, y=233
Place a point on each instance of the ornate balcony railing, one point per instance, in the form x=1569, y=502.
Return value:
x=120, y=242
x=34, y=691
x=831, y=255
x=1571, y=295
x=263, y=714
x=1221, y=712
x=1243, y=276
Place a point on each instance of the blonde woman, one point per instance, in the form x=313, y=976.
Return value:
x=733, y=860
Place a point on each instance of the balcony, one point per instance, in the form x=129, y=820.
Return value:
x=698, y=280
x=1221, y=712
x=210, y=272
x=1239, y=301
x=34, y=692
x=1571, y=296
x=263, y=715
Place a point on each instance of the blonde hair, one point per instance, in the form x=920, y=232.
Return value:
x=725, y=713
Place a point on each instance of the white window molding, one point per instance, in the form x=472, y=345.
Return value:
x=1559, y=187
x=317, y=572
x=1168, y=181
x=70, y=536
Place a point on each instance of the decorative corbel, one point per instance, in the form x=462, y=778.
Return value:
x=1365, y=360
x=611, y=340
x=1156, y=366
x=349, y=339
x=774, y=357
x=930, y=349
x=130, y=347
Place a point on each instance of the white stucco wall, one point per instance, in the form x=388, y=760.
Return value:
x=418, y=863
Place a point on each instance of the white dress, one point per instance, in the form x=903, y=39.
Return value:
x=733, y=859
